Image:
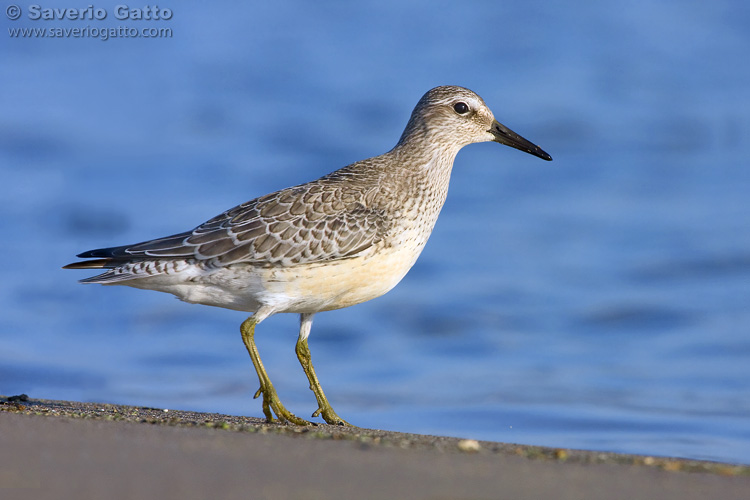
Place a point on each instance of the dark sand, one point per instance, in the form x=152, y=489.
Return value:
x=58, y=449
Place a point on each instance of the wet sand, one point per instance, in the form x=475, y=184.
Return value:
x=60, y=449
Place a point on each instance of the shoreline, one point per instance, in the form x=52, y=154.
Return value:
x=34, y=428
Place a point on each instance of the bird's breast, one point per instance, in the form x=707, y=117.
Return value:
x=340, y=283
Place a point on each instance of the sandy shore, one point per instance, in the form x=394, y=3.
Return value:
x=59, y=449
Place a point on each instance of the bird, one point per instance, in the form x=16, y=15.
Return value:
x=340, y=240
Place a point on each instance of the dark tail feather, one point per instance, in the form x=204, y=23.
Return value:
x=92, y=264
x=108, y=277
x=107, y=253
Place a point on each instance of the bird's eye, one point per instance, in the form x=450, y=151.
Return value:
x=461, y=108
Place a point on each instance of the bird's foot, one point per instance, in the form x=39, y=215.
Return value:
x=330, y=416
x=272, y=404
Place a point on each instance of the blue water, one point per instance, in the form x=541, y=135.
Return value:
x=601, y=301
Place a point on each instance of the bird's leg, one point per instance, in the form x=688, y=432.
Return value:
x=271, y=401
x=303, y=354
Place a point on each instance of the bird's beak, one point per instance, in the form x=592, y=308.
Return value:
x=506, y=136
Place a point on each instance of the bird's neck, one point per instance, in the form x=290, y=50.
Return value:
x=426, y=158
x=421, y=176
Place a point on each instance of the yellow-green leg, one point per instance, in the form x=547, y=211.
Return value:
x=271, y=401
x=303, y=354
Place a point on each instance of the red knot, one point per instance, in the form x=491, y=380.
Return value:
x=340, y=240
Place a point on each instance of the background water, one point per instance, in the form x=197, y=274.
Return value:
x=600, y=301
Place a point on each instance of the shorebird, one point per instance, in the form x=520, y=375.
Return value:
x=340, y=240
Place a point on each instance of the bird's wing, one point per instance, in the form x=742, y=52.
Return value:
x=297, y=225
